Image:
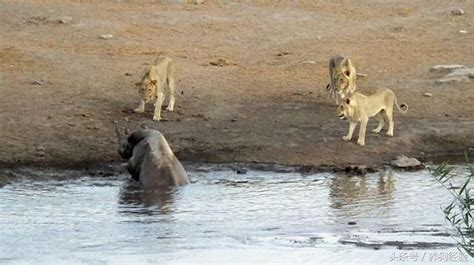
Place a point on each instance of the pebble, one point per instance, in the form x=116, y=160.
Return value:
x=308, y=62
x=39, y=82
x=463, y=31
x=361, y=75
x=198, y=2
x=233, y=120
x=457, y=12
x=41, y=148
x=64, y=19
x=106, y=36
x=40, y=151
x=351, y=223
x=428, y=95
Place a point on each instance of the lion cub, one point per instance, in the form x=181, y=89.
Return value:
x=151, y=87
x=342, y=77
x=359, y=108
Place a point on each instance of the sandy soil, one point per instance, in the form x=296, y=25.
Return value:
x=265, y=105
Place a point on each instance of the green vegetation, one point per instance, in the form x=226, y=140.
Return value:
x=459, y=211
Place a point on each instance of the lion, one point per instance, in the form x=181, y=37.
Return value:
x=342, y=77
x=151, y=86
x=359, y=108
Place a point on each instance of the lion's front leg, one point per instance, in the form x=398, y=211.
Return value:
x=352, y=126
x=362, y=129
x=172, y=89
x=141, y=107
x=158, y=103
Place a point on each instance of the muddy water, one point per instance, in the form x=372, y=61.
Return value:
x=227, y=218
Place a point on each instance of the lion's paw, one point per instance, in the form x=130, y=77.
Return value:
x=346, y=138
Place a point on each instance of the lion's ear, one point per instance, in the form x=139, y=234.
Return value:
x=348, y=101
x=153, y=82
x=138, y=84
x=347, y=63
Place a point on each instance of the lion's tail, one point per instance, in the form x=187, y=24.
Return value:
x=403, y=108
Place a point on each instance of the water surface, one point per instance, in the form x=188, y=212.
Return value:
x=227, y=218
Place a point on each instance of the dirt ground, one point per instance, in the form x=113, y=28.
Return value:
x=63, y=87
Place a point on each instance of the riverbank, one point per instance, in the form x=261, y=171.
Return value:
x=250, y=78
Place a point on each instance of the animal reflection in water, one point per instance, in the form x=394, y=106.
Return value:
x=137, y=200
x=355, y=190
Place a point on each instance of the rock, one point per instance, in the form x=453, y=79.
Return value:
x=38, y=82
x=351, y=223
x=356, y=170
x=361, y=75
x=64, y=19
x=308, y=62
x=198, y=2
x=458, y=74
x=446, y=68
x=463, y=31
x=461, y=72
x=457, y=12
x=406, y=162
x=428, y=95
x=233, y=120
x=241, y=171
x=452, y=80
x=106, y=36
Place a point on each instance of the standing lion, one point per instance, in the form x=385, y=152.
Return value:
x=342, y=77
x=151, y=87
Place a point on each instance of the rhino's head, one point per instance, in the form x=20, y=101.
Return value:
x=124, y=148
x=127, y=142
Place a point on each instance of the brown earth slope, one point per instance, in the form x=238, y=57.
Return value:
x=62, y=86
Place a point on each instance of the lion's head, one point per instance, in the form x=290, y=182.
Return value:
x=146, y=89
x=343, y=75
x=345, y=109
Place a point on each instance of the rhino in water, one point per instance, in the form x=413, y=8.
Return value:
x=150, y=159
